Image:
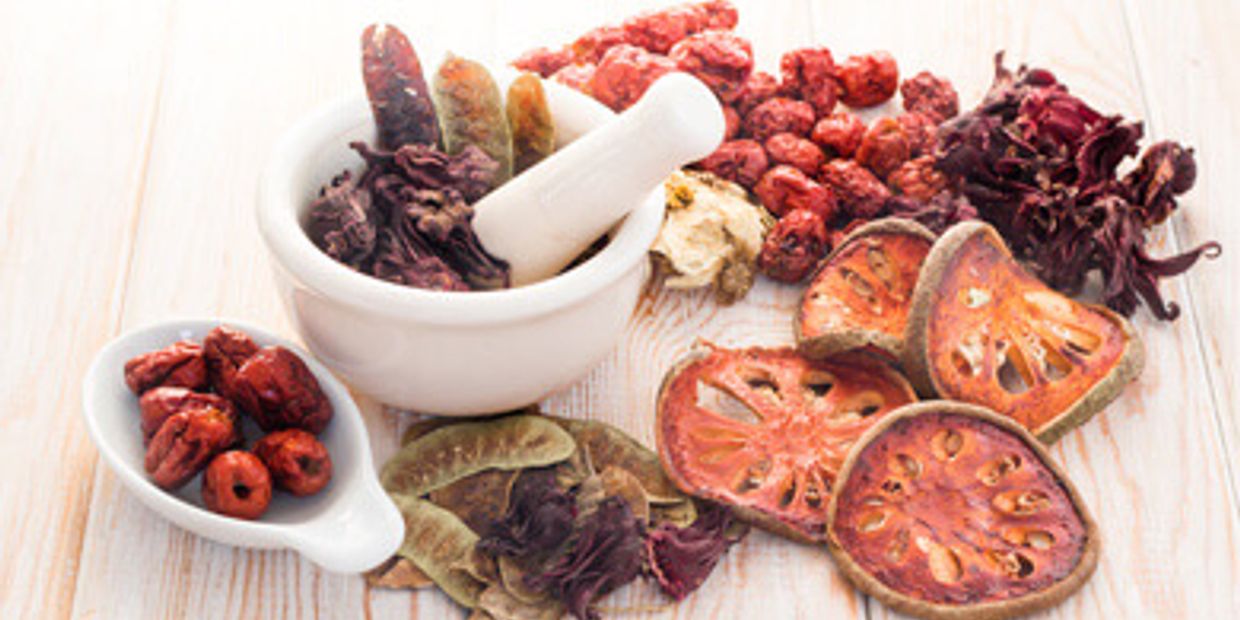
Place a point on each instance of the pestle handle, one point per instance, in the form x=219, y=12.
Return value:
x=543, y=218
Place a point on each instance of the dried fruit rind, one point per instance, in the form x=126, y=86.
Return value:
x=1027, y=541
x=450, y=453
x=435, y=541
x=471, y=111
x=529, y=118
x=861, y=295
x=984, y=330
x=776, y=459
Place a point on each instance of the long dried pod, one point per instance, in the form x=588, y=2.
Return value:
x=533, y=130
x=471, y=111
x=399, y=98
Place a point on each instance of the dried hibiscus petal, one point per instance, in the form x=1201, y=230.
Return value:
x=539, y=517
x=983, y=330
x=946, y=509
x=861, y=295
x=681, y=558
x=766, y=430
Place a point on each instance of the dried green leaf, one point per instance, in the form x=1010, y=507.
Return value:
x=533, y=130
x=479, y=500
x=619, y=482
x=608, y=446
x=435, y=541
x=450, y=453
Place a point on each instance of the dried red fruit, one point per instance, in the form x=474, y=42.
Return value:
x=766, y=430
x=839, y=134
x=225, y=350
x=884, y=147
x=576, y=77
x=929, y=94
x=161, y=403
x=184, y=444
x=778, y=115
x=237, y=484
x=718, y=58
x=918, y=178
x=591, y=46
x=946, y=510
x=277, y=389
x=545, y=61
x=298, y=462
x=860, y=297
x=657, y=31
x=180, y=364
x=795, y=151
x=861, y=195
x=624, y=73
x=868, y=80
x=731, y=123
x=399, y=98
x=740, y=161
x=809, y=74
x=784, y=189
x=759, y=87
x=794, y=246
x=922, y=133
x=983, y=330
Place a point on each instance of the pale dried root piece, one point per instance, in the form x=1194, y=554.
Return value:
x=450, y=453
x=765, y=430
x=861, y=294
x=947, y=510
x=984, y=330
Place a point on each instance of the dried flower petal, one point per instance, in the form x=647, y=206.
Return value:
x=682, y=558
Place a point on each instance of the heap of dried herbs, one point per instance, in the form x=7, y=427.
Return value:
x=1041, y=166
x=525, y=516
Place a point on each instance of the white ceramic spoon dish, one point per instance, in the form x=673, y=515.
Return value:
x=350, y=526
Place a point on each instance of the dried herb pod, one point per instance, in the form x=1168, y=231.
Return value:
x=529, y=118
x=984, y=330
x=450, y=453
x=436, y=541
x=861, y=295
x=607, y=446
x=949, y=510
x=471, y=111
x=399, y=99
x=765, y=430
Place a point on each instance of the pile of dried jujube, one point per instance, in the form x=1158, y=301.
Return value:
x=1031, y=159
x=191, y=397
x=527, y=516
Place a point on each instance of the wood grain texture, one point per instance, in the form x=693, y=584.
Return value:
x=130, y=164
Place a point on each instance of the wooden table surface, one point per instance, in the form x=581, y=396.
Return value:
x=131, y=137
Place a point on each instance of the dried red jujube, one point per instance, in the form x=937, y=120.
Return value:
x=784, y=189
x=298, y=462
x=929, y=94
x=161, y=403
x=277, y=389
x=184, y=444
x=868, y=80
x=237, y=484
x=718, y=58
x=740, y=161
x=809, y=73
x=180, y=364
x=779, y=115
x=884, y=147
x=795, y=151
x=839, y=134
x=861, y=195
x=794, y=246
x=624, y=73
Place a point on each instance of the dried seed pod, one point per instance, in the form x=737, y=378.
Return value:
x=447, y=454
x=397, y=573
x=478, y=500
x=948, y=510
x=861, y=295
x=435, y=541
x=765, y=430
x=398, y=95
x=471, y=111
x=607, y=446
x=620, y=482
x=983, y=330
x=533, y=130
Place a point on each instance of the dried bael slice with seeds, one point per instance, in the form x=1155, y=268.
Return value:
x=765, y=430
x=948, y=510
x=861, y=294
x=984, y=330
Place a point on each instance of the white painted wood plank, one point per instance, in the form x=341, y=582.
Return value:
x=77, y=93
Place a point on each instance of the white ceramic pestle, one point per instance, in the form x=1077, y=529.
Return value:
x=548, y=215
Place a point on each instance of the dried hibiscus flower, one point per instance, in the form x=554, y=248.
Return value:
x=539, y=517
x=681, y=558
x=1040, y=164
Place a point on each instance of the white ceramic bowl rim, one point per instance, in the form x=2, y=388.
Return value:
x=280, y=226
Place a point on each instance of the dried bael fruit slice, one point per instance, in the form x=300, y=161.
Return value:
x=765, y=430
x=948, y=510
x=861, y=294
x=984, y=330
